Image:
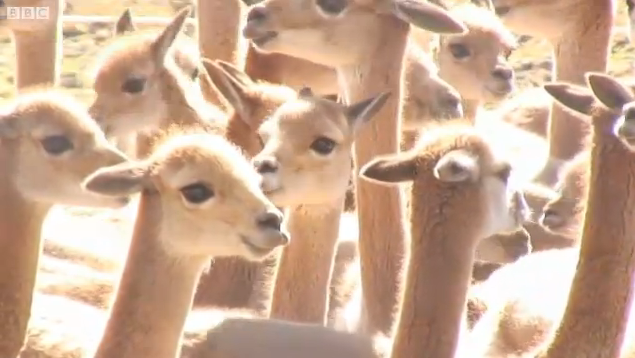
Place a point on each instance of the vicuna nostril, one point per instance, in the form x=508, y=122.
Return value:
x=503, y=73
x=257, y=13
x=270, y=221
x=264, y=166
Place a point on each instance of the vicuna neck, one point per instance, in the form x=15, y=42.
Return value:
x=438, y=277
x=602, y=291
x=581, y=49
x=20, y=237
x=304, y=272
x=470, y=109
x=38, y=55
x=218, y=27
x=154, y=295
x=381, y=231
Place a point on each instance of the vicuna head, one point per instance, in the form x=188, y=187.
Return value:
x=49, y=144
x=455, y=165
x=475, y=62
x=307, y=148
x=209, y=197
x=129, y=80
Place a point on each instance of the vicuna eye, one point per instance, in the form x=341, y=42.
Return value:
x=133, y=85
x=323, y=146
x=195, y=74
x=56, y=144
x=197, y=193
x=459, y=51
x=332, y=7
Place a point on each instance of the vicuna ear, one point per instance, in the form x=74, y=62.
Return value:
x=362, y=112
x=456, y=166
x=124, y=23
x=118, y=180
x=235, y=73
x=234, y=92
x=165, y=40
x=391, y=169
x=609, y=91
x=577, y=98
x=427, y=16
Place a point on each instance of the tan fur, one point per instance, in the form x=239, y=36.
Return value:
x=426, y=167
x=183, y=104
x=305, y=164
x=528, y=110
x=475, y=63
x=581, y=32
x=172, y=241
x=523, y=316
x=38, y=44
x=32, y=181
x=367, y=64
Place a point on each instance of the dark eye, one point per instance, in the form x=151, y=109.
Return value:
x=459, y=51
x=504, y=172
x=197, y=193
x=332, y=7
x=56, y=144
x=195, y=74
x=133, y=85
x=323, y=146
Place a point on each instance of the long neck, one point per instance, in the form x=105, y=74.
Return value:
x=38, y=53
x=470, y=109
x=381, y=233
x=437, y=281
x=304, y=272
x=20, y=238
x=154, y=295
x=218, y=35
x=602, y=291
x=582, y=48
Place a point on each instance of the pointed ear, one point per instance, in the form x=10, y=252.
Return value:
x=362, y=112
x=235, y=93
x=165, y=40
x=392, y=169
x=124, y=23
x=456, y=166
x=609, y=91
x=427, y=16
x=574, y=97
x=234, y=72
x=118, y=180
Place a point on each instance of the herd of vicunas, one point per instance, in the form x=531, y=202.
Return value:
x=321, y=179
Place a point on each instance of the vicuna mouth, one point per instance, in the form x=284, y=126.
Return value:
x=256, y=250
x=264, y=39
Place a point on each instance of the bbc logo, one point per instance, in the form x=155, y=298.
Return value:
x=26, y=13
